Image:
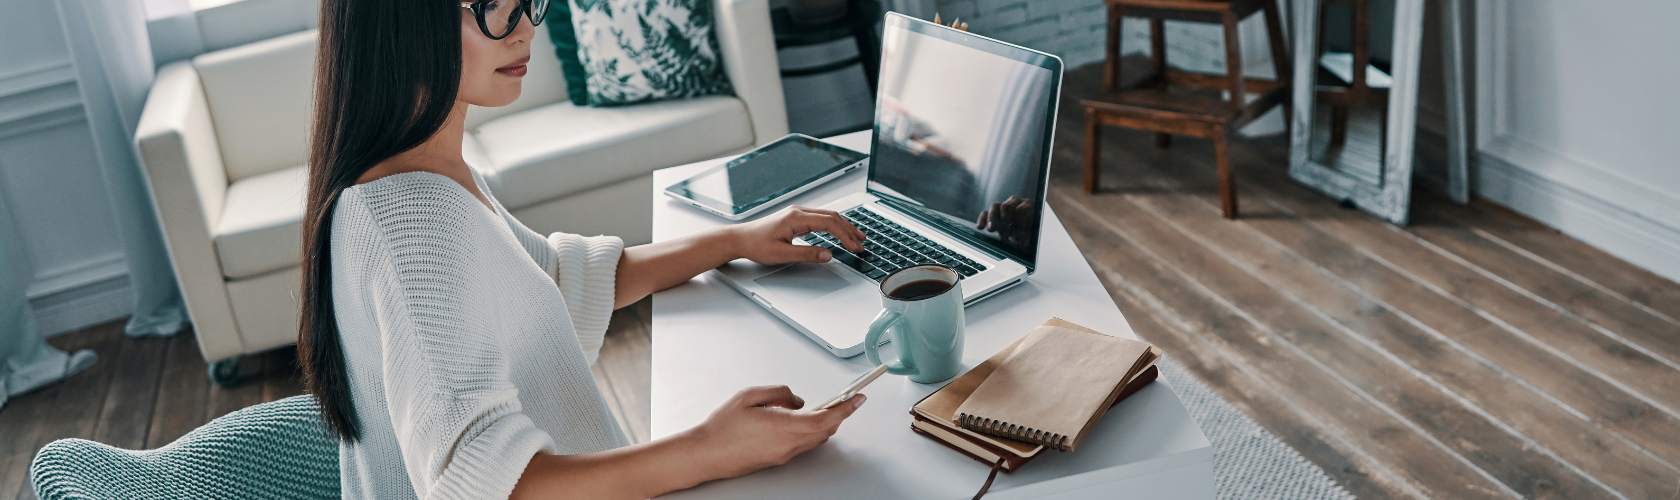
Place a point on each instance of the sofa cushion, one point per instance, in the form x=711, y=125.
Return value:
x=636, y=53
x=259, y=229
x=262, y=220
x=564, y=37
x=259, y=97
x=560, y=149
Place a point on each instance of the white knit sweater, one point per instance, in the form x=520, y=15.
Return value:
x=469, y=339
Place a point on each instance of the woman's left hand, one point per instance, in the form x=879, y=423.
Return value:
x=770, y=240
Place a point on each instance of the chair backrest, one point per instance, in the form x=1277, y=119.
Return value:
x=260, y=98
x=279, y=449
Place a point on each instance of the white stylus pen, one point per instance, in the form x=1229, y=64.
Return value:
x=856, y=386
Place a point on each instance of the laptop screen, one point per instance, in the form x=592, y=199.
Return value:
x=962, y=133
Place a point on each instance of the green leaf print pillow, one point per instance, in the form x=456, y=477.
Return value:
x=647, y=50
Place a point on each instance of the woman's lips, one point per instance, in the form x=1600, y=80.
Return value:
x=515, y=69
x=518, y=70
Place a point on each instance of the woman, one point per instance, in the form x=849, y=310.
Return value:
x=449, y=345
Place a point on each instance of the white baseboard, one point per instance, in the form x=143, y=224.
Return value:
x=1632, y=218
x=1653, y=244
x=95, y=292
x=83, y=306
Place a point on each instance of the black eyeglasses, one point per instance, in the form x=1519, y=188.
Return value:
x=498, y=18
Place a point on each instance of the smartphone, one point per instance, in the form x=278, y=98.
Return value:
x=855, y=387
x=765, y=177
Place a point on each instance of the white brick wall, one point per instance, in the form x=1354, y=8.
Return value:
x=1073, y=30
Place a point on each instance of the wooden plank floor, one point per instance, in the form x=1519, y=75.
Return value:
x=1472, y=354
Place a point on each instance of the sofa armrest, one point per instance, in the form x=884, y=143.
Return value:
x=749, y=58
x=182, y=163
x=177, y=145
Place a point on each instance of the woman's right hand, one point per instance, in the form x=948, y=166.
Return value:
x=764, y=427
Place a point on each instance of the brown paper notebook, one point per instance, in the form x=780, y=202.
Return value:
x=1054, y=385
x=934, y=416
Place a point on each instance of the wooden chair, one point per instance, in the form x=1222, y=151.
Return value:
x=1172, y=102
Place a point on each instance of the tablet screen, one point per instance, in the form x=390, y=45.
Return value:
x=763, y=174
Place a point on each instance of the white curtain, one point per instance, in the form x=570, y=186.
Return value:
x=26, y=361
x=114, y=70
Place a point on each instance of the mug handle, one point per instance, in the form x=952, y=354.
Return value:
x=883, y=322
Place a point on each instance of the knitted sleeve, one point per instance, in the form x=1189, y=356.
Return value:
x=453, y=406
x=586, y=269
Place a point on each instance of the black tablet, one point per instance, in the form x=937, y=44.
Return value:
x=766, y=176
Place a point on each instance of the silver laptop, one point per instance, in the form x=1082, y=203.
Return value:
x=959, y=164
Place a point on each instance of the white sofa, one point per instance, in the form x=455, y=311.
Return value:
x=223, y=140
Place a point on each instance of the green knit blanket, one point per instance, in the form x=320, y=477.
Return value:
x=279, y=449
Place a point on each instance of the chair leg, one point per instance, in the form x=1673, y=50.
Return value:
x=1338, y=124
x=1280, y=62
x=1279, y=46
x=1158, y=47
x=1233, y=61
x=1227, y=182
x=1158, y=60
x=1093, y=150
x=1361, y=46
x=1111, y=59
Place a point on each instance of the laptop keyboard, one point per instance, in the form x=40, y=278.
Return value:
x=890, y=247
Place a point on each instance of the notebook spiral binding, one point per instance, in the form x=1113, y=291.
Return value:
x=1012, y=431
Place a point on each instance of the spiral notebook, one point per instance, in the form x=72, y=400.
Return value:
x=1055, y=385
x=935, y=414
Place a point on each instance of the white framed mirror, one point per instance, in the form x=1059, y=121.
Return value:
x=1355, y=89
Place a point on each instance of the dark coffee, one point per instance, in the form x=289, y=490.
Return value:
x=919, y=289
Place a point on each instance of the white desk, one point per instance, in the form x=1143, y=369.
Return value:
x=709, y=342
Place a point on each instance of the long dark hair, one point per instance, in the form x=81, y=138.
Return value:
x=386, y=76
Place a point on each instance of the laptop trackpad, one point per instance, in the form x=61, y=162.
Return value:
x=803, y=282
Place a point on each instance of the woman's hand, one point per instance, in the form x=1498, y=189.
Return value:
x=770, y=240
x=761, y=427
x=645, y=269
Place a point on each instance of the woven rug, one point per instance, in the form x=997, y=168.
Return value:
x=1249, y=462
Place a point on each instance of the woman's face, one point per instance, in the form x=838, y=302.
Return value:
x=492, y=69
